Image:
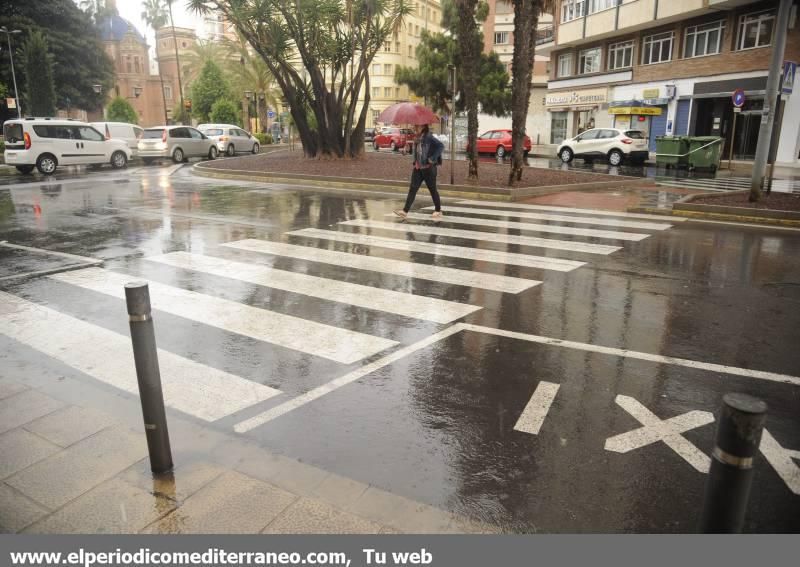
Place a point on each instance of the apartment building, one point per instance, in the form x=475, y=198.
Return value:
x=669, y=67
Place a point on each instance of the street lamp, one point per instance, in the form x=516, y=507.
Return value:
x=8, y=33
x=97, y=88
x=137, y=92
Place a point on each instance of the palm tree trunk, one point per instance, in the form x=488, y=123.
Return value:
x=469, y=42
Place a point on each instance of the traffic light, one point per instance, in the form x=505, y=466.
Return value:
x=187, y=104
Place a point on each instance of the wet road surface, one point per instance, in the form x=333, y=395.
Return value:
x=494, y=364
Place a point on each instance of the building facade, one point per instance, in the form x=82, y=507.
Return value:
x=669, y=68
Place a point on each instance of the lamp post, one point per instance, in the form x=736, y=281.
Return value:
x=248, y=95
x=451, y=70
x=9, y=33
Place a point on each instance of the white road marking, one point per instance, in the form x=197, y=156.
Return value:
x=669, y=431
x=548, y=228
x=468, y=278
x=85, y=259
x=536, y=410
x=388, y=301
x=560, y=218
x=337, y=383
x=488, y=236
x=443, y=250
x=781, y=460
x=557, y=209
x=333, y=343
x=190, y=387
x=719, y=368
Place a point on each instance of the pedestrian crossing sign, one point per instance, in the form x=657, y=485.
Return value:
x=789, y=69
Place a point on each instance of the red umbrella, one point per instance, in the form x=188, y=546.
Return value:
x=408, y=113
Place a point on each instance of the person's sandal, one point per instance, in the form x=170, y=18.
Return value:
x=437, y=215
x=401, y=213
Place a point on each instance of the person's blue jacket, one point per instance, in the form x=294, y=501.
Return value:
x=430, y=150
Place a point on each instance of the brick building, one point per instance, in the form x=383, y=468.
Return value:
x=668, y=68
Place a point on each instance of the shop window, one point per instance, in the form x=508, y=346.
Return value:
x=755, y=30
x=558, y=127
x=657, y=48
x=620, y=55
x=565, y=65
x=589, y=61
x=572, y=10
x=704, y=40
x=501, y=38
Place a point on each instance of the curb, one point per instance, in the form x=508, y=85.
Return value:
x=685, y=207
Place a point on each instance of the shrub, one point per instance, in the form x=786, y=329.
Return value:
x=263, y=139
x=120, y=110
x=224, y=111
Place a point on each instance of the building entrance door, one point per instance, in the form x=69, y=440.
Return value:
x=746, y=138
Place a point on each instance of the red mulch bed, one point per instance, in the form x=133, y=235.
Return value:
x=396, y=167
x=773, y=201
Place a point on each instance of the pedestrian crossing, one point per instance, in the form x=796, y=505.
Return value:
x=727, y=184
x=357, y=266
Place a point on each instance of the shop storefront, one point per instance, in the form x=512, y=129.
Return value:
x=572, y=112
x=648, y=113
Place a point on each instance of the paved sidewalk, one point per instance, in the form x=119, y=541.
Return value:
x=621, y=199
x=72, y=469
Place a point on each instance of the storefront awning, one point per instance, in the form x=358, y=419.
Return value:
x=636, y=110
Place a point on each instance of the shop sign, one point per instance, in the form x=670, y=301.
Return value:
x=577, y=98
x=651, y=93
x=11, y=103
x=639, y=110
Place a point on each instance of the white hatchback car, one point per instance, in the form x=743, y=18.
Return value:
x=46, y=143
x=606, y=143
x=130, y=133
x=230, y=139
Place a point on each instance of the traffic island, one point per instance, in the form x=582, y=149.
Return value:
x=391, y=172
x=774, y=209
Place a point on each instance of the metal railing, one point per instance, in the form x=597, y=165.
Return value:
x=544, y=34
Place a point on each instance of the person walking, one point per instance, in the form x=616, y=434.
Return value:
x=427, y=156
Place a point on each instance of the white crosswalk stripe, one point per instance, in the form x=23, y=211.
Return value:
x=563, y=218
x=488, y=237
x=190, y=387
x=452, y=276
x=310, y=337
x=590, y=212
x=406, y=304
x=527, y=260
x=533, y=227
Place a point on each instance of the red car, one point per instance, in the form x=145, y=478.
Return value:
x=498, y=142
x=394, y=138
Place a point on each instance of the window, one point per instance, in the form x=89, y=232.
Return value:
x=90, y=134
x=375, y=115
x=128, y=65
x=620, y=55
x=607, y=134
x=387, y=46
x=558, y=127
x=589, y=135
x=657, y=48
x=376, y=92
x=376, y=69
x=572, y=10
x=397, y=92
x=410, y=51
x=397, y=46
x=387, y=69
x=387, y=92
x=600, y=5
x=136, y=64
x=416, y=30
x=500, y=38
x=704, y=40
x=565, y=65
x=755, y=30
x=589, y=61
x=168, y=92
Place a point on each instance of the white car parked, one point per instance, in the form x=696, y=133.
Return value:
x=46, y=143
x=606, y=143
x=130, y=133
x=230, y=139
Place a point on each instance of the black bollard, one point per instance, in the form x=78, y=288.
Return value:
x=739, y=430
x=145, y=356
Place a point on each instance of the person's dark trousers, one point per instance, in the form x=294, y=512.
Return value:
x=427, y=175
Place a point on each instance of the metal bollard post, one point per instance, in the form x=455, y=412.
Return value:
x=728, y=487
x=145, y=356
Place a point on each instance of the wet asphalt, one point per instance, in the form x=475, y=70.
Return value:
x=438, y=425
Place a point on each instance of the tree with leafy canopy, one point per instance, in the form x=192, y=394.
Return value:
x=40, y=94
x=120, y=110
x=79, y=60
x=319, y=52
x=209, y=87
x=224, y=111
x=198, y=54
x=99, y=9
x=154, y=13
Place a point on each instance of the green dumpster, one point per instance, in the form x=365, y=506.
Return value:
x=671, y=151
x=705, y=152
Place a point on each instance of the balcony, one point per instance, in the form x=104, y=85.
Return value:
x=544, y=34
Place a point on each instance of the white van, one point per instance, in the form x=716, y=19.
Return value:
x=46, y=143
x=131, y=133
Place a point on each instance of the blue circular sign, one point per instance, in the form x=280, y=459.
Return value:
x=738, y=98
x=271, y=114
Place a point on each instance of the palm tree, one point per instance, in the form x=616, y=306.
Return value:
x=201, y=52
x=177, y=59
x=252, y=74
x=99, y=9
x=155, y=16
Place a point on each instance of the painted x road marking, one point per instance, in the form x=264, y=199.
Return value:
x=781, y=460
x=669, y=431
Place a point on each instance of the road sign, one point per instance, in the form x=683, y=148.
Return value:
x=271, y=114
x=738, y=98
x=789, y=70
x=11, y=103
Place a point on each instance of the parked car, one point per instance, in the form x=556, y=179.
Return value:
x=230, y=139
x=606, y=143
x=498, y=142
x=393, y=138
x=46, y=143
x=130, y=133
x=176, y=142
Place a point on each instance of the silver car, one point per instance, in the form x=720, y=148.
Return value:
x=230, y=139
x=177, y=142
